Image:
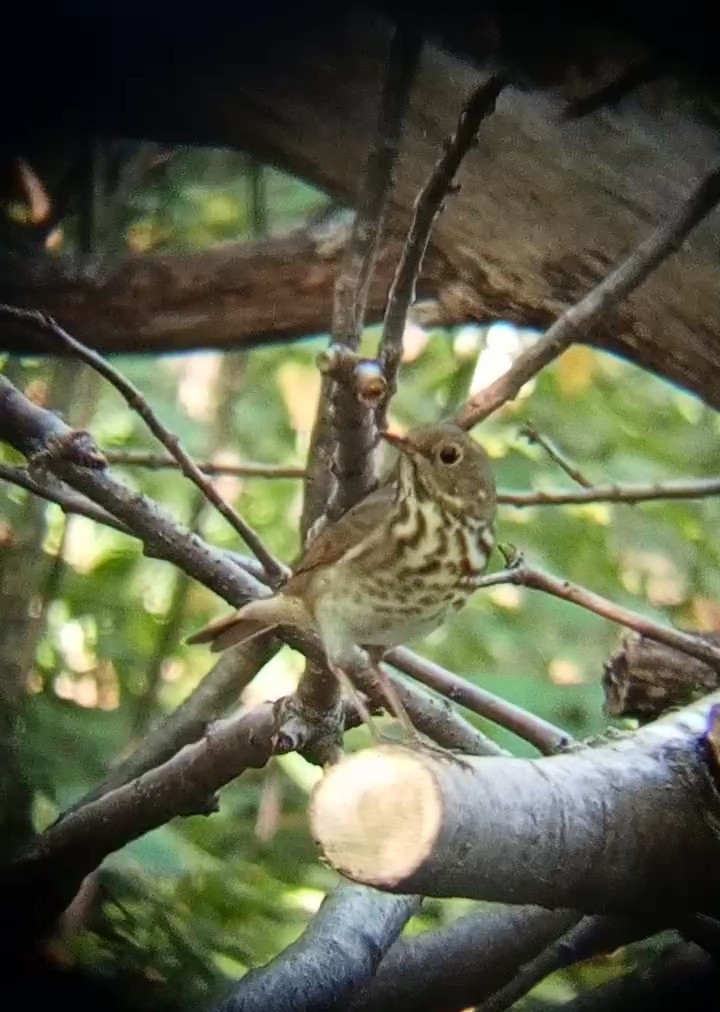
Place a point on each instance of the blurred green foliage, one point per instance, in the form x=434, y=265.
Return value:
x=202, y=900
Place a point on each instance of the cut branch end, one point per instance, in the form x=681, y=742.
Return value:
x=377, y=814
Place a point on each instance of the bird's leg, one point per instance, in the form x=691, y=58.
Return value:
x=392, y=697
x=412, y=737
x=352, y=691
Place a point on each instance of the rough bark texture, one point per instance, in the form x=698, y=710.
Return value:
x=239, y=295
x=549, y=199
x=577, y=830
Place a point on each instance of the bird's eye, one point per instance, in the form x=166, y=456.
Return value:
x=450, y=453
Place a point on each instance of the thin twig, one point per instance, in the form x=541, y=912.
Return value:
x=690, y=488
x=575, y=322
x=522, y=575
x=353, y=421
x=428, y=206
x=158, y=462
x=687, y=488
x=546, y=737
x=57, y=492
x=533, y=436
x=135, y=400
x=362, y=249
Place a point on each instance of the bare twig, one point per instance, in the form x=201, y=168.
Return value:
x=135, y=400
x=157, y=462
x=361, y=253
x=546, y=738
x=522, y=575
x=55, y=491
x=533, y=436
x=353, y=421
x=688, y=488
x=428, y=205
x=575, y=322
x=691, y=488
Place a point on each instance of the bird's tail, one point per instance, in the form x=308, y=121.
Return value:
x=252, y=620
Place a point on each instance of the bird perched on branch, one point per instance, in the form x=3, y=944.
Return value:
x=394, y=566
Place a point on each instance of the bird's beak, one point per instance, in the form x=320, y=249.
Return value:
x=401, y=444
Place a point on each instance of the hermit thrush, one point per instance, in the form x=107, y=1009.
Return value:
x=395, y=565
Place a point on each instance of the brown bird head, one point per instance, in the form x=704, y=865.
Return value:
x=444, y=463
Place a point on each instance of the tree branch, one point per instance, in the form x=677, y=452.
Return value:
x=689, y=488
x=158, y=462
x=353, y=421
x=546, y=738
x=681, y=976
x=53, y=866
x=428, y=206
x=219, y=689
x=48, y=442
x=331, y=959
x=522, y=575
x=56, y=492
x=533, y=436
x=575, y=322
x=589, y=937
x=135, y=400
x=458, y=965
x=626, y=828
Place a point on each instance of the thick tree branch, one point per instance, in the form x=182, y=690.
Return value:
x=337, y=953
x=644, y=678
x=52, y=868
x=461, y=964
x=219, y=690
x=628, y=827
x=575, y=323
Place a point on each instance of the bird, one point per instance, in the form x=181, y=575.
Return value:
x=396, y=565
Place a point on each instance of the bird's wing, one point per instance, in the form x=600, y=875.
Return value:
x=352, y=527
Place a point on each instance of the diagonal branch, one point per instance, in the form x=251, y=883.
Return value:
x=428, y=206
x=72, y=457
x=522, y=575
x=56, y=492
x=135, y=400
x=546, y=738
x=185, y=784
x=331, y=958
x=575, y=322
x=532, y=435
